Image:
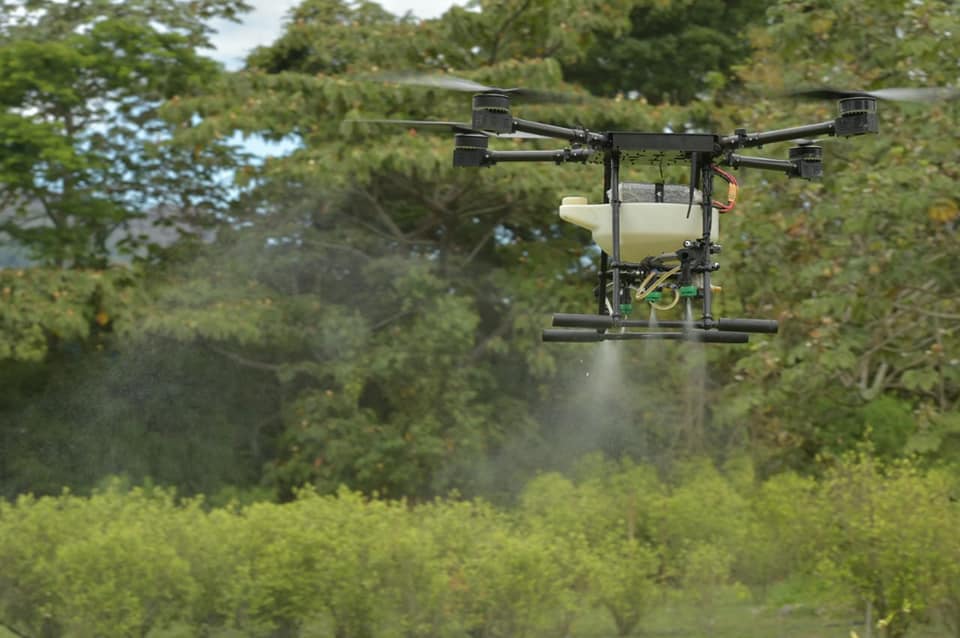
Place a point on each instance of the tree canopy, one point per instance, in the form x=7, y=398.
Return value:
x=332, y=355
x=359, y=312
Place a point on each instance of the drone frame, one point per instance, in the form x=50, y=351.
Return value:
x=492, y=113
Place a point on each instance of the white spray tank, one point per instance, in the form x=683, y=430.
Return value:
x=647, y=228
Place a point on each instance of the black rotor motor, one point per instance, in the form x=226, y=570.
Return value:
x=491, y=112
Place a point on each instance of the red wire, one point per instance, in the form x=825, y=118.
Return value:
x=730, y=179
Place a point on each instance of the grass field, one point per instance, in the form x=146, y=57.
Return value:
x=741, y=620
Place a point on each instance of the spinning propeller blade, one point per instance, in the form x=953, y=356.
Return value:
x=815, y=142
x=456, y=127
x=454, y=83
x=923, y=94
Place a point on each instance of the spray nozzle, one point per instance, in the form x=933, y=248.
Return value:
x=653, y=297
x=626, y=302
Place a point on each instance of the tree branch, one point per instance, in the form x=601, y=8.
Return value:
x=454, y=192
x=928, y=313
x=402, y=239
x=483, y=240
x=12, y=630
x=335, y=246
x=382, y=214
x=495, y=47
x=383, y=323
x=241, y=360
x=506, y=322
x=486, y=210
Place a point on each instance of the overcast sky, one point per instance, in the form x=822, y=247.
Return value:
x=264, y=24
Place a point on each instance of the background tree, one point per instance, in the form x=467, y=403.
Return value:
x=866, y=289
x=85, y=149
x=368, y=315
x=674, y=51
x=887, y=536
x=405, y=296
x=90, y=175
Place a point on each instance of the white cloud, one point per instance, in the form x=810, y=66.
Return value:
x=420, y=8
x=264, y=24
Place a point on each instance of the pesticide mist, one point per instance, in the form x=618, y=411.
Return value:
x=644, y=399
x=594, y=409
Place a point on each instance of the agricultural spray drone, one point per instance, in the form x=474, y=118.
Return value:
x=658, y=242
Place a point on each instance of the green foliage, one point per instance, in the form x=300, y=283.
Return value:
x=402, y=316
x=43, y=308
x=418, y=589
x=887, y=529
x=686, y=525
x=140, y=562
x=382, y=308
x=642, y=535
x=510, y=583
x=369, y=316
x=103, y=565
x=147, y=410
x=864, y=286
x=85, y=150
x=484, y=32
x=782, y=531
x=622, y=580
x=123, y=580
x=673, y=52
x=315, y=561
x=332, y=36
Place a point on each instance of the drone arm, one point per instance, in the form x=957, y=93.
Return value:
x=577, y=136
x=742, y=139
x=806, y=161
x=558, y=156
x=471, y=151
x=742, y=161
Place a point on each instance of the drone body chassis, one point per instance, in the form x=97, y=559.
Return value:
x=691, y=265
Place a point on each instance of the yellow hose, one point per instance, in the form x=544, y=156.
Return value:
x=676, y=300
x=642, y=290
x=644, y=283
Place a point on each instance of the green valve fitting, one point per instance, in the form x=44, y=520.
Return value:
x=653, y=297
x=688, y=291
x=626, y=308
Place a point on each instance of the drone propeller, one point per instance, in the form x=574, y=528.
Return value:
x=815, y=142
x=924, y=94
x=454, y=83
x=456, y=127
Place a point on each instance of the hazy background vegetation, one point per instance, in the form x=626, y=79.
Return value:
x=359, y=318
